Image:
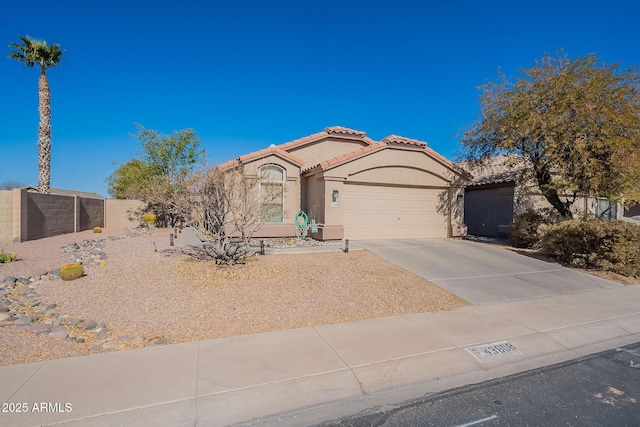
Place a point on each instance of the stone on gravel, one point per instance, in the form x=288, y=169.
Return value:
x=4, y=315
x=59, y=332
x=137, y=339
x=40, y=328
x=73, y=322
x=158, y=341
x=87, y=325
x=101, y=332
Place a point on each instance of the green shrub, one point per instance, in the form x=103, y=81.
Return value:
x=71, y=271
x=97, y=230
x=149, y=219
x=595, y=244
x=7, y=257
x=527, y=228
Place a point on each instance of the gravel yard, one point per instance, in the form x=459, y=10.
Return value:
x=140, y=293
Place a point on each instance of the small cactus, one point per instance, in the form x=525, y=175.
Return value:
x=71, y=271
x=7, y=257
x=97, y=230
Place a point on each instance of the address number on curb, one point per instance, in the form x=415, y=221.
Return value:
x=486, y=353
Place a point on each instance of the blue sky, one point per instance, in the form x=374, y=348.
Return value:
x=246, y=74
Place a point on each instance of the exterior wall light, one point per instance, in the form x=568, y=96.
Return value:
x=334, y=195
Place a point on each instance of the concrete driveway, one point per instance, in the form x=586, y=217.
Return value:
x=482, y=273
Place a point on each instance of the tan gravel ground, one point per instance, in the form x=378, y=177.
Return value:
x=140, y=291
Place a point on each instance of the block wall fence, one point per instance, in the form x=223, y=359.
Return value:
x=27, y=215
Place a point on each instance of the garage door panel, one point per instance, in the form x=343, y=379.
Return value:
x=383, y=212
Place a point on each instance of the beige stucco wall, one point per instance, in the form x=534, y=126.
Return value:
x=527, y=196
x=392, y=166
x=395, y=166
x=117, y=213
x=314, y=194
x=328, y=148
x=6, y=216
x=292, y=190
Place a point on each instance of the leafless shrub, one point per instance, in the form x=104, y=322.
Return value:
x=228, y=204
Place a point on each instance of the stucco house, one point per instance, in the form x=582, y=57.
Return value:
x=356, y=188
x=499, y=190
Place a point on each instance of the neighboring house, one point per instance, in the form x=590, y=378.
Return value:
x=356, y=188
x=498, y=191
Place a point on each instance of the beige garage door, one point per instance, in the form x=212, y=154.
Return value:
x=381, y=212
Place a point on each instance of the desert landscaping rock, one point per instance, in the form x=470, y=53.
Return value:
x=138, y=339
x=39, y=328
x=152, y=342
x=59, y=332
x=87, y=325
x=4, y=315
x=143, y=293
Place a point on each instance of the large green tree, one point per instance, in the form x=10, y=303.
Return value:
x=131, y=180
x=33, y=52
x=574, y=122
x=160, y=173
x=165, y=161
x=171, y=156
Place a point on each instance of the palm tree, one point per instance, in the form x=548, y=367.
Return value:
x=30, y=53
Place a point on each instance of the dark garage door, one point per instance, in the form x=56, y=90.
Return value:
x=488, y=211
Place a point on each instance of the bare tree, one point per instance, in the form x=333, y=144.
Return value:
x=226, y=203
x=10, y=185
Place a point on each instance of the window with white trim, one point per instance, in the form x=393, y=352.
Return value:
x=272, y=193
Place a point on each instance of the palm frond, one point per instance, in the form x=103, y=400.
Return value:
x=33, y=51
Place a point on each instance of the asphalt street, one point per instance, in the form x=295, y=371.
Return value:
x=597, y=390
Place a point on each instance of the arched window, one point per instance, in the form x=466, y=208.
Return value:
x=272, y=193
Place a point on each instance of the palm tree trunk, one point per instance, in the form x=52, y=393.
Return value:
x=44, y=133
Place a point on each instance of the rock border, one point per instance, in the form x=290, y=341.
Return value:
x=21, y=305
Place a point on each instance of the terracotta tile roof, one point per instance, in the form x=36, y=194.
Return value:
x=334, y=130
x=260, y=154
x=394, y=139
x=494, y=170
x=344, y=131
x=391, y=140
x=354, y=154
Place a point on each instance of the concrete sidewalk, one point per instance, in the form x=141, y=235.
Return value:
x=306, y=376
